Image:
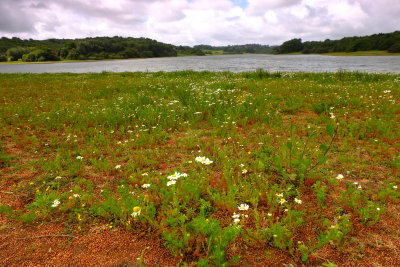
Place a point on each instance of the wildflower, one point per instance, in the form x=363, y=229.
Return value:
x=236, y=215
x=76, y=195
x=56, y=202
x=79, y=158
x=243, y=207
x=339, y=177
x=58, y=178
x=378, y=209
x=117, y=167
x=298, y=201
x=395, y=187
x=136, y=211
x=236, y=220
x=282, y=201
x=176, y=176
x=244, y=171
x=171, y=182
x=279, y=195
x=269, y=214
x=204, y=160
x=145, y=174
x=146, y=185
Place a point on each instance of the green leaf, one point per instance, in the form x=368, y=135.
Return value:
x=321, y=159
x=323, y=147
x=289, y=144
x=330, y=129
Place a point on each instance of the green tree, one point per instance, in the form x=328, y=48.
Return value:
x=16, y=53
x=395, y=48
x=293, y=45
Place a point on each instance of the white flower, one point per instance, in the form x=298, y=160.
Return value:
x=171, y=182
x=136, y=211
x=236, y=215
x=395, y=187
x=146, y=185
x=145, y=174
x=279, y=195
x=298, y=201
x=177, y=175
x=117, y=167
x=58, y=178
x=244, y=171
x=243, y=207
x=378, y=209
x=204, y=160
x=76, y=195
x=56, y=202
x=236, y=220
x=79, y=157
x=339, y=177
x=282, y=201
x=174, y=176
x=269, y=214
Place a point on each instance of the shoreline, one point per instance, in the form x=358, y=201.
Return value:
x=340, y=54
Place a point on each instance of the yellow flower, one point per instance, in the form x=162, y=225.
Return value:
x=136, y=211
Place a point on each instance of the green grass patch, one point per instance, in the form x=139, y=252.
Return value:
x=205, y=160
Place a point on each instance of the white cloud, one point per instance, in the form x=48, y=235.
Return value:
x=217, y=22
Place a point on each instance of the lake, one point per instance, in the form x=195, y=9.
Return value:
x=234, y=63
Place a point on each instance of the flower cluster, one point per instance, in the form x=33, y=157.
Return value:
x=173, y=177
x=56, y=202
x=204, y=160
x=236, y=216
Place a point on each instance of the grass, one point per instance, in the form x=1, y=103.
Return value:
x=313, y=158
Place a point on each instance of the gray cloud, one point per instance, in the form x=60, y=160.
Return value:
x=192, y=22
x=15, y=17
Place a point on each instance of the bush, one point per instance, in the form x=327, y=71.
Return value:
x=39, y=55
x=3, y=58
x=395, y=48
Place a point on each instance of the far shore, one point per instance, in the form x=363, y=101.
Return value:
x=341, y=54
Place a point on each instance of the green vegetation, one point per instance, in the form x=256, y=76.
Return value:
x=83, y=49
x=208, y=162
x=238, y=49
x=383, y=41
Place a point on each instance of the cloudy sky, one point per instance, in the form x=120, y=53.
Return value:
x=191, y=22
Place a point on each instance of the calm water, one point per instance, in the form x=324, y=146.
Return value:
x=234, y=63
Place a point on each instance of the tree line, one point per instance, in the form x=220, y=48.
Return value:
x=82, y=49
x=382, y=41
x=238, y=49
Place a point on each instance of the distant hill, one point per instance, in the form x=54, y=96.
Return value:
x=383, y=41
